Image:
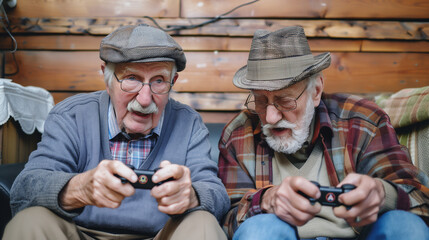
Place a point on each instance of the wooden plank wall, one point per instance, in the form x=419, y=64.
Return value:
x=376, y=46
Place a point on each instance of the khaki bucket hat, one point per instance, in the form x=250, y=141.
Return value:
x=279, y=59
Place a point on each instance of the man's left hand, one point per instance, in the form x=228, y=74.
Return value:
x=177, y=196
x=366, y=200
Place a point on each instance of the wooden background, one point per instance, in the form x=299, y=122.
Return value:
x=376, y=46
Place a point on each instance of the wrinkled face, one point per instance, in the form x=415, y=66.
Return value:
x=139, y=112
x=287, y=131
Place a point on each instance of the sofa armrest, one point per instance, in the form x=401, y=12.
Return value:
x=8, y=173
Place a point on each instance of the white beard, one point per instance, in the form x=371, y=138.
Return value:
x=290, y=144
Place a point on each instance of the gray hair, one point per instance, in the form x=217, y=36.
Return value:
x=109, y=71
x=173, y=73
x=312, y=81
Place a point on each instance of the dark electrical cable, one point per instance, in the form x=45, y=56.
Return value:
x=169, y=28
x=15, y=44
x=183, y=27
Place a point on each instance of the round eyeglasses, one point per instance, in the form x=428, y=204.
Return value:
x=157, y=86
x=283, y=104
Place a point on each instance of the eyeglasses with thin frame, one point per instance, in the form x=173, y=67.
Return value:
x=283, y=104
x=157, y=86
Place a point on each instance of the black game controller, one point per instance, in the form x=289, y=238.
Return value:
x=329, y=195
x=144, y=178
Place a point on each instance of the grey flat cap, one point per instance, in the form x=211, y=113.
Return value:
x=279, y=59
x=141, y=43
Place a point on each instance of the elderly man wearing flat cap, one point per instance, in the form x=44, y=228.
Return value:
x=71, y=187
x=292, y=134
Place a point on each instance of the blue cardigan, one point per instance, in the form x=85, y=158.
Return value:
x=76, y=139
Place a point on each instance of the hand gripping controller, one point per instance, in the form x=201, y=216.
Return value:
x=329, y=195
x=144, y=178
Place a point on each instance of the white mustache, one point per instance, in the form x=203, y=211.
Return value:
x=134, y=106
x=280, y=124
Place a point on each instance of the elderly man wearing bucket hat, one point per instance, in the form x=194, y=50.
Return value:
x=70, y=188
x=292, y=133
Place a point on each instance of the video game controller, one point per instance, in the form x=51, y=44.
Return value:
x=144, y=178
x=329, y=195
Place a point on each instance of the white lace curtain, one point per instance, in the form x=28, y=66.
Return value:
x=27, y=105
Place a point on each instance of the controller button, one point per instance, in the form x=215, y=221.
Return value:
x=143, y=179
x=330, y=197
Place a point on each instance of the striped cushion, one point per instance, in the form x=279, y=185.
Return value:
x=409, y=113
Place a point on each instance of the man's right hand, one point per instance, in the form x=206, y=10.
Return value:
x=284, y=200
x=98, y=187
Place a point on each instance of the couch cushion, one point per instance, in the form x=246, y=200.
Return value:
x=406, y=107
x=408, y=110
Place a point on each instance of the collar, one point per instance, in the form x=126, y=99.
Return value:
x=323, y=125
x=115, y=130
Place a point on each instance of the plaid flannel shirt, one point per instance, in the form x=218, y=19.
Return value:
x=357, y=137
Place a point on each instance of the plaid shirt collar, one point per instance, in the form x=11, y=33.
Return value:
x=115, y=130
x=323, y=124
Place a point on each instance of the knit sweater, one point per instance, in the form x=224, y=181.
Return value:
x=76, y=139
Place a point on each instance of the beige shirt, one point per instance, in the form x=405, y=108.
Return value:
x=325, y=223
x=312, y=166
